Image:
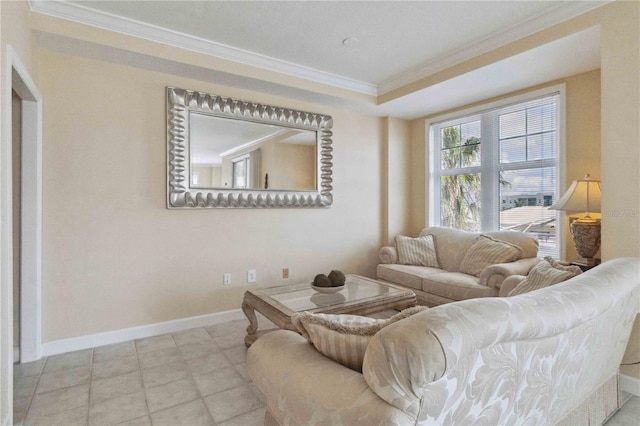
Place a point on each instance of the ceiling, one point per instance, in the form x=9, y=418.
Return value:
x=398, y=42
x=212, y=138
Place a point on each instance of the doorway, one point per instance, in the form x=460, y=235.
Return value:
x=21, y=201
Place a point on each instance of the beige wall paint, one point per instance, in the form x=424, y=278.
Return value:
x=398, y=177
x=418, y=170
x=620, y=45
x=14, y=31
x=632, y=354
x=508, y=50
x=115, y=257
x=295, y=165
x=620, y=41
x=205, y=176
x=583, y=138
x=111, y=39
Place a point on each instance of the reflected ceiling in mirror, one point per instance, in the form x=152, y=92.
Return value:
x=224, y=152
x=233, y=154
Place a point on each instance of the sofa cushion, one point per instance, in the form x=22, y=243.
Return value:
x=544, y=274
x=456, y=286
x=486, y=251
x=344, y=338
x=417, y=251
x=451, y=245
x=526, y=242
x=406, y=275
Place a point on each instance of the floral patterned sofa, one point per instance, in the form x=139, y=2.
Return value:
x=546, y=357
x=444, y=281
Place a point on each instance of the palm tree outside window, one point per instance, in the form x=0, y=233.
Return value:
x=497, y=169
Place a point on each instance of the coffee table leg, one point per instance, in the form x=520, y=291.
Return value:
x=252, y=329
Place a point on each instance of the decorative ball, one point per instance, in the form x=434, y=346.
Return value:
x=321, y=280
x=337, y=278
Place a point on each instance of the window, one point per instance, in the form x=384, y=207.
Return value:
x=241, y=167
x=497, y=169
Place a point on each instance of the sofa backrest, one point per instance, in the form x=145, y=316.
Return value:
x=531, y=358
x=452, y=244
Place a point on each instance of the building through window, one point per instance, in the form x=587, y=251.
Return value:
x=497, y=169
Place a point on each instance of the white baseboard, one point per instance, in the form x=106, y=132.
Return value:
x=7, y=419
x=630, y=384
x=92, y=340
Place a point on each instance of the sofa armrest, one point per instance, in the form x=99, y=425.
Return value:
x=494, y=275
x=401, y=359
x=302, y=386
x=509, y=284
x=388, y=255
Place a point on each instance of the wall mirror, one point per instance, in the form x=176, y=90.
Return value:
x=225, y=152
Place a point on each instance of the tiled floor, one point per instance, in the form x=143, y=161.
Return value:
x=628, y=415
x=194, y=377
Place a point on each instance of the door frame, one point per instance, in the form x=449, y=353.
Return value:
x=17, y=78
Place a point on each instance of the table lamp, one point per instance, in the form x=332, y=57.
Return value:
x=583, y=195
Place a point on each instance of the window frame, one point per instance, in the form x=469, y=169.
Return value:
x=489, y=155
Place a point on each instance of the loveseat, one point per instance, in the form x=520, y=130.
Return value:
x=545, y=357
x=437, y=285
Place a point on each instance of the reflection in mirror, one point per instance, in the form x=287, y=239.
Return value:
x=224, y=152
x=228, y=153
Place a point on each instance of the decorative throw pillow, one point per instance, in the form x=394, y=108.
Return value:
x=486, y=251
x=344, y=338
x=417, y=251
x=544, y=274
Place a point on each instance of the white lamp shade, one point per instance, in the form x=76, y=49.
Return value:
x=582, y=195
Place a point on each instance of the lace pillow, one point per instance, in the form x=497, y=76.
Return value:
x=419, y=251
x=344, y=338
x=485, y=251
x=544, y=274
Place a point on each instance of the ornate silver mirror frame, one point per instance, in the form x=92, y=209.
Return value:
x=180, y=193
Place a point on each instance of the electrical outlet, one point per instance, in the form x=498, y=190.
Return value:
x=285, y=272
x=251, y=276
x=226, y=279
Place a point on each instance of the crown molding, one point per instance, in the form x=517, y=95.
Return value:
x=107, y=21
x=83, y=15
x=511, y=34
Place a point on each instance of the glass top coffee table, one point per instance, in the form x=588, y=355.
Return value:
x=360, y=296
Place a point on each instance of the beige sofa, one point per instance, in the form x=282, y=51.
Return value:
x=546, y=357
x=435, y=286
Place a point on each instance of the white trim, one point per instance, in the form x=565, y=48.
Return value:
x=18, y=78
x=7, y=419
x=562, y=168
x=630, y=384
x=15, y=76
x=431, y=217
x=84, y=15
x=509, y=35
x=99, y=339
x=497, y=104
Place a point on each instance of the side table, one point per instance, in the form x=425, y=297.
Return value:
x=585, y=264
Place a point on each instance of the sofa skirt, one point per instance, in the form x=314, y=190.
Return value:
x=596, y=410
x=601, y=405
